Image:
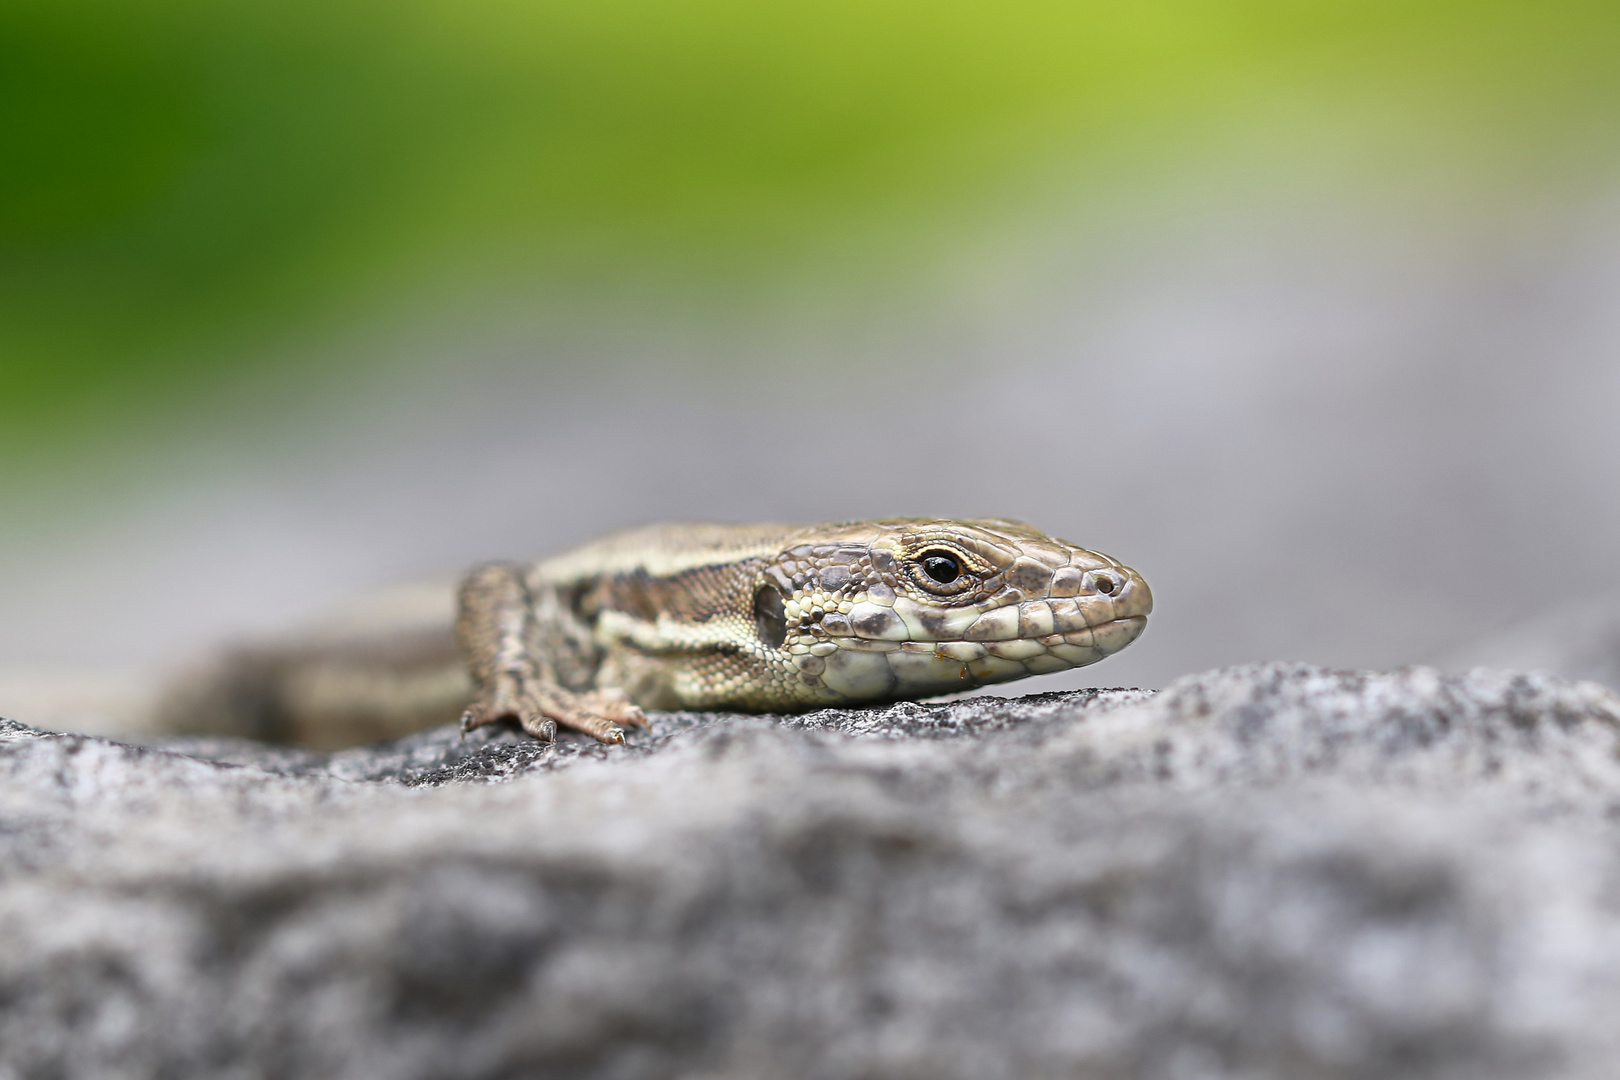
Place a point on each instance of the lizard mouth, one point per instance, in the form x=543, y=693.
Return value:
x=885, y=670
x=1118, y=632
x=916, y=645
x=1073, y=637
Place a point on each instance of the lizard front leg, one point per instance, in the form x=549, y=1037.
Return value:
x=512, y=676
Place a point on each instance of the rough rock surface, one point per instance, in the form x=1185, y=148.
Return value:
x=1260, y=872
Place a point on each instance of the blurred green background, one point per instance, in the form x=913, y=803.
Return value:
x=191, y=187
x=1309, y=311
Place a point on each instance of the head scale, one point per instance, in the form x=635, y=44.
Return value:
x=875, y=611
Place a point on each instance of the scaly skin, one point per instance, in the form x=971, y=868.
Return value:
x=784, y=618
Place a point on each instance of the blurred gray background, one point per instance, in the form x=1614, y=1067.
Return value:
x=1351, y=443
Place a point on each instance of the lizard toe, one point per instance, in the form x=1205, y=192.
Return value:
x=596, y=726
x=479, y=715
x=614, y=705
x=538, y=725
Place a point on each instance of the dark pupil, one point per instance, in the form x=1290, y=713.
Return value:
x=941, y=567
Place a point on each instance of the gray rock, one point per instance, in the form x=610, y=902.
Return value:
x=1260, y=872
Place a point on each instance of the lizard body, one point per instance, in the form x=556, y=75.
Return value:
x=753, y=617
x=784, y=618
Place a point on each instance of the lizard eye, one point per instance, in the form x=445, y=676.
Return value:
x=943, y=571
x=770, y=617
x=942, y=566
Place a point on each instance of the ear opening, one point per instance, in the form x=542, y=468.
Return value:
x=770, y=617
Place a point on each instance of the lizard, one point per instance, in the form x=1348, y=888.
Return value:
x=782, y=618
x=762, y=618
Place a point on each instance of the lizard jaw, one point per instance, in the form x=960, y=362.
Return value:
x=861, y=670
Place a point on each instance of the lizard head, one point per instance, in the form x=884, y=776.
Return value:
x=879, y=610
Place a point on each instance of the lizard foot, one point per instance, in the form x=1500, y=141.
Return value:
x=524, y=712
x=541, y=708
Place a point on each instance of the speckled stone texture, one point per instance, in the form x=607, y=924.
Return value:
x=1262, y=872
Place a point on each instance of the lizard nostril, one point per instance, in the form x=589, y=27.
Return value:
x=1104, y=584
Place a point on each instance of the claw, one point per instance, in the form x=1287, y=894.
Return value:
x=540, y=710
x=538, y=726
x=614, y=706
